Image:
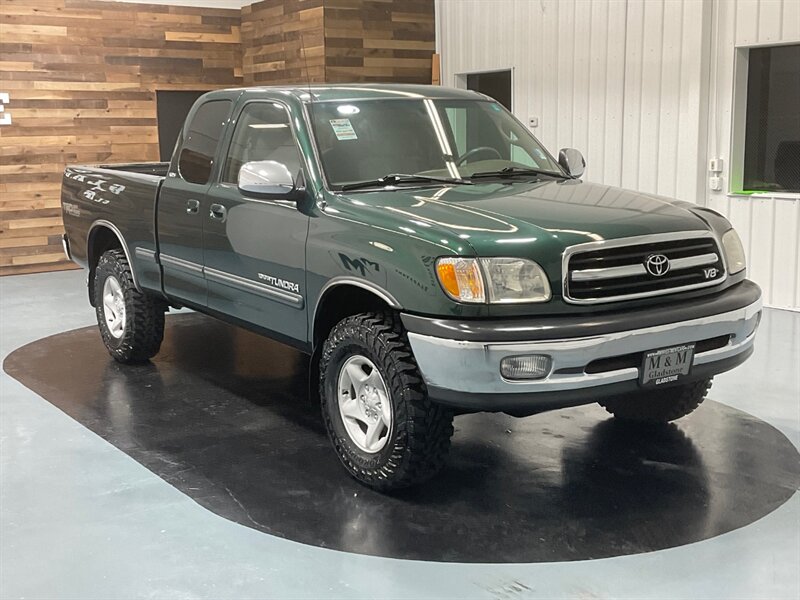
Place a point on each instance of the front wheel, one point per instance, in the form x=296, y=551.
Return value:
x=131, y=322
x=385, y=430
x=658, y=405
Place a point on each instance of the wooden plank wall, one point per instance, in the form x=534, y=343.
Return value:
x=274, y=35
x=379, y=40
x=344, y=41
x=82, y=77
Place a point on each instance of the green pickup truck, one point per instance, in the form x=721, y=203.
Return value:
x=426, y=251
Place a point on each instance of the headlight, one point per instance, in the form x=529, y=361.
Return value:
x=502, y=280
x=512, y=280
x=734, y=251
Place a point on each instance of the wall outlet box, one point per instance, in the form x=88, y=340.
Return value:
x=715, y=165
x=533, y=121
x=715, y=183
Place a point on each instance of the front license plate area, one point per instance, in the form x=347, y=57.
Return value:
x=666, y=365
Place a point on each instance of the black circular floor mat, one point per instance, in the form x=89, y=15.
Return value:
x=224, y=416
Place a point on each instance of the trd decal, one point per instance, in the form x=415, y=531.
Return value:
x=359, y=264
x=97, y=186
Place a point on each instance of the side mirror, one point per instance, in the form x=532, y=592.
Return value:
x=267, y=179
x=572, y=161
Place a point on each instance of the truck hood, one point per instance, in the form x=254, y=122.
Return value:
x=528, y=218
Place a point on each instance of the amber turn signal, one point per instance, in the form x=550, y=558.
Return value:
x=461, y=279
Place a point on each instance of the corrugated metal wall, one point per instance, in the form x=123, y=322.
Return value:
x=769, y=226
x=639, y=86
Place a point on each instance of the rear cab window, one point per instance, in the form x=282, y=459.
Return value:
x=202, y=138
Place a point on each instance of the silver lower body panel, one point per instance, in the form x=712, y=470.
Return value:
x=474, y=367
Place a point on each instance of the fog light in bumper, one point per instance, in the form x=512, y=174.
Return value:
x=530, y=366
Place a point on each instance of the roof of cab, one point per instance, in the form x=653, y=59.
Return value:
x=354, y=91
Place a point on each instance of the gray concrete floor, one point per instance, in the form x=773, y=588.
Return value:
x=81, y=519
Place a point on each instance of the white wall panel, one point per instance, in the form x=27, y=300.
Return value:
x=595, y=74
x=632, y=94
x=790, y=21
x=770, y=225
x=645, y=89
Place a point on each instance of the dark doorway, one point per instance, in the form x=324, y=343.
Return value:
x=172, y=108
x=496, y=84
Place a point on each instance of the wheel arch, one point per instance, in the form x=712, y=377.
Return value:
x=345, y=296
x=103, y=236
x=340, y=298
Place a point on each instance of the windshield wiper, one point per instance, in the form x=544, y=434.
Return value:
x=395, y=178
x=514, y=172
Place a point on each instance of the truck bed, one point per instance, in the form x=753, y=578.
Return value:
x=145, y=168
x=114, y=196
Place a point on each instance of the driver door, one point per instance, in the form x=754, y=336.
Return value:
x=254, y=249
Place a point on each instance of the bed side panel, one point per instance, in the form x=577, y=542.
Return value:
x=124, y=201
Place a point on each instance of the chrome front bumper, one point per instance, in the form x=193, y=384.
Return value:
x=473, y=367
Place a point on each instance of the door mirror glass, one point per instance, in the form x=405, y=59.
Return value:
x=572, y=161
x=266, y=179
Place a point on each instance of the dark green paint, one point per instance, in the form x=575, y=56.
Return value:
x=387, y=239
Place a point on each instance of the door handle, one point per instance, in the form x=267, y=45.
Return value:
x=217, y=212
x=192, y=206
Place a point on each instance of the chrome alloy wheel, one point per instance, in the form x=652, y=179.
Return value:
x=364, y=404
x=114, y=306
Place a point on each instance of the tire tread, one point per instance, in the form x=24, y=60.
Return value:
x=425, y=426
x=144, y=318
x=659, y=406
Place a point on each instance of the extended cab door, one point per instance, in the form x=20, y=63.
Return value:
x=183, y=204
x=255, y=249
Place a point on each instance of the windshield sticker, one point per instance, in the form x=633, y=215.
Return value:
x=343, y=129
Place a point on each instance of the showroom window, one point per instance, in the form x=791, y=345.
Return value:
x=262, y=133
x=772, y=126
x=197, y=155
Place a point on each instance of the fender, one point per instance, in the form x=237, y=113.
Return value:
x=378, y=291
x=361, y=283
x=115, y=230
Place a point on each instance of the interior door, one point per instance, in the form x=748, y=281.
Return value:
x=182, y=204
x=254, y=249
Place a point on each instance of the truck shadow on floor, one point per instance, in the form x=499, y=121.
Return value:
x=225, y=416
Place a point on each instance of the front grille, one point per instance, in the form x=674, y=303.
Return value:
x=618, y=269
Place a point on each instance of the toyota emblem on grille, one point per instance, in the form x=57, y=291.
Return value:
x=657, y=265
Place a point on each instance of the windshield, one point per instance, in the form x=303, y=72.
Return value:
x=365, y=140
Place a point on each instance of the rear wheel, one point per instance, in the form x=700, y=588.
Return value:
x=385, y=430
x=659, y=405
x=131, y=322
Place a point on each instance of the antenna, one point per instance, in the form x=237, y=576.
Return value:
x=305, y=66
